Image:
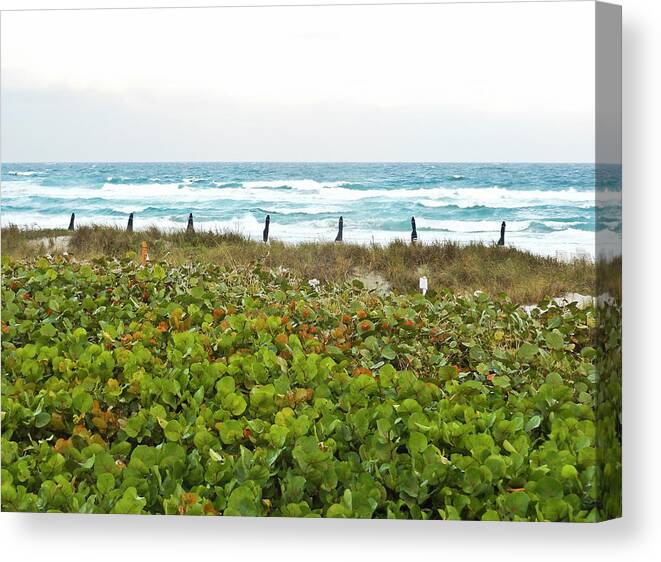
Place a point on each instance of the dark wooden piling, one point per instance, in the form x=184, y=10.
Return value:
x=414, y=231
x=265, y=233
x=501, y=242
x=71, y=222
x=190, y=228
x=129, y=225
x=340, y=228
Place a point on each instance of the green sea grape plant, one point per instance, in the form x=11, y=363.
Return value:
x=206, y=391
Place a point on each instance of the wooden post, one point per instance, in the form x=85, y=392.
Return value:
x=189, y=227
x=73, y=218
x=265, y=233
x=414, y=231
x=144, y=253
x=340, y=228
x=129, y=226
x=501, y=242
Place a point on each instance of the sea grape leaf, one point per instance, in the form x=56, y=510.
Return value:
x=243, y=502
x=172, y=430
x=527, y=352
x=554, y=339
x=533, y=423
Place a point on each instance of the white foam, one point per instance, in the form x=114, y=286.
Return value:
x=303, y=210
x=305, y=185
x=27, y=173
x=309, y=192
x=498, y=197
x=317, y=198
x=470, y=226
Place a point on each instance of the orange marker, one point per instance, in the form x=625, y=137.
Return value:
x=144, y=256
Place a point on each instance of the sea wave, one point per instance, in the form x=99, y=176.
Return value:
x=300, y=211
x=546, y=208
x=493, y=226
x=309, y=191
x=27, y=173
x=537, y=226
x=498, y=197
x=305, y=184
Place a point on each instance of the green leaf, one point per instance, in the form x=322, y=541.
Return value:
x=448, y=372
x=278, y=435
x=231, y=431
x=105, y=483
x=509, y=447
x=490, y=515
x=533, y=423
x=173, y=430
x=569, y=472
x=554, y=339
x=105, y=462
x=133, y=426
x=130, y=502
x=42, y=419
x=225, y=386
x=517, y=503
x=496, y=464
x=262, y=398
x=388, y=353
x=235, y=403
x=82, y=402
x=502, y=381
x=88, y=463
x=527, y=351
x=48, y=331
x=243, y=502
x=309, y=456
x=548, y=487
x=417, y=442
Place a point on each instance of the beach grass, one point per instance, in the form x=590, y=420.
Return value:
x=525, y=277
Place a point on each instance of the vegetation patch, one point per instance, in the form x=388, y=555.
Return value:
x=526, y=278
x=196, y=389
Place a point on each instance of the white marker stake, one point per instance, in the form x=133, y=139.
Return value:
x=423, y=285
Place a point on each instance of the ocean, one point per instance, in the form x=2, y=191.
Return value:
x=549, y=208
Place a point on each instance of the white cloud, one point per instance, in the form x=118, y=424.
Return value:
x=440, y=82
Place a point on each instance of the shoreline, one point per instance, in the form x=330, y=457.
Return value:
x=398, y=266
x=515, y=239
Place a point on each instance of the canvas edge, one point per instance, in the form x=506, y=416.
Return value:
x=608, y=283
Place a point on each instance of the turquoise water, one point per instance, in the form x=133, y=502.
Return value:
x=549, y=208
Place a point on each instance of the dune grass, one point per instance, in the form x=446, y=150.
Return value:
x=523, y=276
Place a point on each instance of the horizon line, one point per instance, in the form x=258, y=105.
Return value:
x=302, y=162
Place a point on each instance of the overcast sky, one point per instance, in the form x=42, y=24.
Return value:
x=493, y=82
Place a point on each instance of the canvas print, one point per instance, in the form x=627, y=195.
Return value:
x=315, y=261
